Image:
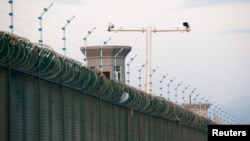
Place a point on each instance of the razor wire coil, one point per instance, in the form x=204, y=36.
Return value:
x=41, y=60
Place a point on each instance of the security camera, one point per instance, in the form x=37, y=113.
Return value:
x=111, y=26
x=186, y=25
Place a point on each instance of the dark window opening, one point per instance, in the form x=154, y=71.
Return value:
x=107, y=74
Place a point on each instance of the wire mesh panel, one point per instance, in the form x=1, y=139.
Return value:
x=107, y=122
x=162, y=129
x=4, y=116
x=120, y=123
x=200, y=135
x=133, y=125
x=171, y=131
x=48, y=111
x=178, y=132
x=154, y=129
x=144, y=127
x=24, y=113
x=51, y=111
x=91, y=119
x=184, y=134
x=72, y=114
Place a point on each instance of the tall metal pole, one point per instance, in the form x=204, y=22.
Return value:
x=11, y=14
x=178, y=85
x=101, y=48
x=143, y=65
x=163, y=77
x=150, y=77
x=128, y=64
x=41, y=23
x=196, y=97
x=171, y=80
x=195, y=107
x=149, y=31
x=183, y=97
x=191, y=95
x=115, y=57
x=64, y=34
x=148, y=58
x=85, y=45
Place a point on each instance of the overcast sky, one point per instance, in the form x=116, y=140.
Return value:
x=214, y=58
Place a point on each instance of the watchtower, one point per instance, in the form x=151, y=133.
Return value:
x=110, y=60
x=199, y=108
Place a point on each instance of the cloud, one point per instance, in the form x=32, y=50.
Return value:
x=208, y=3
x=237, y=31
x=71, y=2
x=240, y=106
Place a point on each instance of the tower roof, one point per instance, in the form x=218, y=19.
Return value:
x=110, y=50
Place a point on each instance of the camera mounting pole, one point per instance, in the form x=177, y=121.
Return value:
x=148, y=31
